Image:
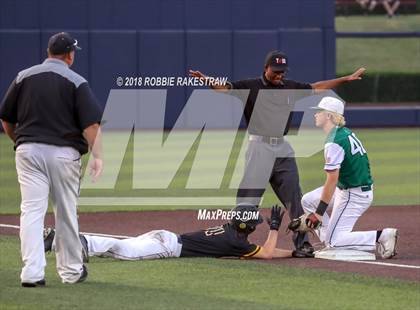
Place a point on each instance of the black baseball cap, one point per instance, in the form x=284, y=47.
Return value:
x=277, y=61
x=62, y=43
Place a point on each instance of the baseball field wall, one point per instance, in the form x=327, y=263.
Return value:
x=130, y=38
x=164, y=38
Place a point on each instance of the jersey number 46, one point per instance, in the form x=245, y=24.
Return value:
x=356, y=145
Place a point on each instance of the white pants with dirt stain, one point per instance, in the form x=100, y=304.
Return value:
x=43, y=169
x=347, y=206
x=152, y=245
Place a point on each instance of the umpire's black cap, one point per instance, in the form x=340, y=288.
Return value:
x=246, y=218
x=62, y=43
x=277, y=61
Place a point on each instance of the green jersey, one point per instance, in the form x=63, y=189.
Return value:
x=344, y=151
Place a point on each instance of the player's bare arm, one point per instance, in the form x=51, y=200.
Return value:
x=9, y=129
x=269, y=250
x=281, y=253
x=327, y=192
x=330, y=185
x=92, y=135
x=214, y=85
x=330, y=84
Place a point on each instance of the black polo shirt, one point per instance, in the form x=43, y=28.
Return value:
x=50, y=104
x=217, y=241
x=268, y=112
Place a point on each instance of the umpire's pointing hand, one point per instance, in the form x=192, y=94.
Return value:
x=357, y=75
x=197, y=74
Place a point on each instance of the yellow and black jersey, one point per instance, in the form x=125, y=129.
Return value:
x=217, y=241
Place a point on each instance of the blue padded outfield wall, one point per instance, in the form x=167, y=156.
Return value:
x=167, y=37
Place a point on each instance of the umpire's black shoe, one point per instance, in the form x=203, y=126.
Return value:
x=308, y=247
x=85, y=249
x=49, y=234
x=40, y=283
x=84, y=275
x=305, y=251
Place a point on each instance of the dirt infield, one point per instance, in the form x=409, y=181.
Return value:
x=406, y=219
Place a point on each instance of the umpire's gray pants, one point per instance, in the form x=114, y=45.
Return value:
x=44, y=169
x=274, y=164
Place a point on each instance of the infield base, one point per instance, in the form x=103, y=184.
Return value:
x=345, y=255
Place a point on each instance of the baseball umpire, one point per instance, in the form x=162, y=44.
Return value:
x=269, y=157
x=228, y=240
x=52, y=116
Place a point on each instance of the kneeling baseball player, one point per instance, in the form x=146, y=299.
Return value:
x=348, y=189
x=228, y=240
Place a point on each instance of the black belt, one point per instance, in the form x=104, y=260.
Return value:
x=363, y=188
x=179, y=239
x=266, y=139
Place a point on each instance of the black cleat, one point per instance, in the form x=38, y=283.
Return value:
x=84, y=275
x=305, y=251
x=49, y=234
x=308, y=247
x=85, y=249
x=40, y=283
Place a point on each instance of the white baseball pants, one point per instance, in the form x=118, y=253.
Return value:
x=44, y=169
x=152, y=245
x=347, y=206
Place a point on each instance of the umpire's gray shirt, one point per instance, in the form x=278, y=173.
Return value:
x=50, y=104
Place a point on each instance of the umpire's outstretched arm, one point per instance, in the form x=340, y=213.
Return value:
x=330, y=84
x=214, y=85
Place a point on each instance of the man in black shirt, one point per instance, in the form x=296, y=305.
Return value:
x=51, y=115
x=228, y=240
x=269, y=157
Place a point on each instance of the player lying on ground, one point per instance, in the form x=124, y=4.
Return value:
x=230, y=239
x=348, y=189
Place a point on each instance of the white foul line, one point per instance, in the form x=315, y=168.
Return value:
x=83, y=233
x=387, y=264
x=9, y=226
x=123, y=237
x=158, y=201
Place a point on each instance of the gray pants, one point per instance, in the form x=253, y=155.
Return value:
x=44, y=169
x=275, y=164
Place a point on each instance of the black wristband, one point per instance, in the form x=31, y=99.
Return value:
x=322, y=207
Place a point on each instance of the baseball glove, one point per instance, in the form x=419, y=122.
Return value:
x=305, y=223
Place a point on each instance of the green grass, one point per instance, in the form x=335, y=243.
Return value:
x=378, y=23
x=378, y=55
x=394, y=155
x=200, y=284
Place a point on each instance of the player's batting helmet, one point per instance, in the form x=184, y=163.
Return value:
x=246, y=217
